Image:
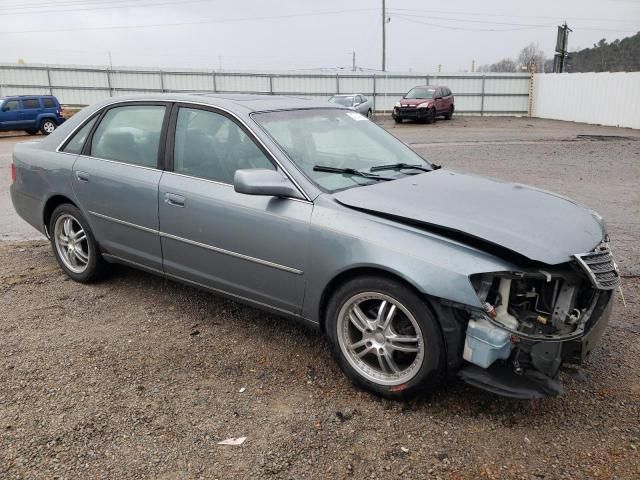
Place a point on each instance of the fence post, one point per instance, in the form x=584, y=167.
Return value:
x=374, y=92
x=109, y=82
x=213, y=76
x=426, y=79
x=161, y=81
x=482, y=97
x=337, y=84
x=531, y=80
x=271, y=84
x=49, y=81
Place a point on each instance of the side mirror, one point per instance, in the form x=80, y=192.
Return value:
x=261, y=181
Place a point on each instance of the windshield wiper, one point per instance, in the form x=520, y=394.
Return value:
x=349, y=171
x=403, y=166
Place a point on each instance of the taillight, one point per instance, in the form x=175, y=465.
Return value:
x=13, y=173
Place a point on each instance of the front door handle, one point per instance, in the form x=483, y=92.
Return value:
x=82, y=176
x=174, y=199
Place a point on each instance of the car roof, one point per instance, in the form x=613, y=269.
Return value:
x=235, y=101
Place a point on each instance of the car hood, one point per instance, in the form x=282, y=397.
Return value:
x=413, y=102
x=539, y=225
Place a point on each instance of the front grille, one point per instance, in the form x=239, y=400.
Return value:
x=600, y=267
x=409, y=111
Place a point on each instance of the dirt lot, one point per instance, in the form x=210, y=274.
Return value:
x=138, y=377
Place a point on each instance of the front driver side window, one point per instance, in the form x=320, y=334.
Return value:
x=212, y=146
x=10, y=106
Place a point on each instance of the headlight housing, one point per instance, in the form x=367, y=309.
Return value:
x=424, y=105
x=397, y=105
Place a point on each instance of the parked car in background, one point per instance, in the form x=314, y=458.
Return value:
x=356, y=102
x=31, y=114
x=424, y=104
x=309, y=210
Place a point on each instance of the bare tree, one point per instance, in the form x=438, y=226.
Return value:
x=504, y=65
x=532, y=54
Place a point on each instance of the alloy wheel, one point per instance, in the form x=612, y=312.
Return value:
x=380, y=338
x=71, y=243
x=48, y=127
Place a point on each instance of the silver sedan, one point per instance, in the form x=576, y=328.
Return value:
x=309, y=210
x=356, y=102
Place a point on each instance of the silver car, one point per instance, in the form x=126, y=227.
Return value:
x=356, y=102
x=414, y=273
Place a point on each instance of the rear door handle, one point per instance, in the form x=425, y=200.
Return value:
x=174, y=199
x=82, y=176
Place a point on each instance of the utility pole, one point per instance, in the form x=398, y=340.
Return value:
x=384, y=36
x=562, y=45
x=473, y=66
x=353, y=61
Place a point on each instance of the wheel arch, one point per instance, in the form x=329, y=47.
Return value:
x=50, y=205
x=359, y=271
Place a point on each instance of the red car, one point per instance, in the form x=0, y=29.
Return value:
x=424, y=104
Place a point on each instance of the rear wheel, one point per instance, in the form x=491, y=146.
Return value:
x=384, y=337
x=73, y=244
x=47, y=126
x=449, y=114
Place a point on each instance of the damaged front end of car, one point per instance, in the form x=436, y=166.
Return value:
x=534, y=321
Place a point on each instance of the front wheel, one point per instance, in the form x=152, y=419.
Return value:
x=385, y=338
x=74, y=246
x=431, y=116
x=47, y=126
x=369, y=113
x=397, y=119
x=449, y=114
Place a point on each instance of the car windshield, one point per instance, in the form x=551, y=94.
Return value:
x=346, y=101
x=420, y=92
x=338, y=139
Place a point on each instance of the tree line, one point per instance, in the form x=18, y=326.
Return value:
x=617, y=56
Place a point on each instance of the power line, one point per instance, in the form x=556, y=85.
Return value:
x=64, y=3
x=105, y=8
x=517, y=26
x=472, y=14
x=181, y=24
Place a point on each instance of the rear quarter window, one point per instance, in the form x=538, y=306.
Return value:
x=75, y=144
x=48, y=103
x=30, y=103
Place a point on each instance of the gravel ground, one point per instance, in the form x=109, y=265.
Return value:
x=139, y=377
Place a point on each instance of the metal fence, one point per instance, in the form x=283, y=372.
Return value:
x=476, y=93
x=607, y=98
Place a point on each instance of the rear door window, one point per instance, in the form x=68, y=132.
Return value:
x=129, y=134
x=30, y=103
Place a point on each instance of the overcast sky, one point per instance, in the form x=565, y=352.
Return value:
x=300, y=34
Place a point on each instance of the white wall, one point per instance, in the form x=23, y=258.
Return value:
x=599, y=98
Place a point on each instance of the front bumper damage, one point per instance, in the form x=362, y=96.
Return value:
x=509, y=380
x=530, y=327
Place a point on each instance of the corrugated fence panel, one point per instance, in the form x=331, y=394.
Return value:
x=136, y=80
x=68, y=96
x=241, y=83
x=397, y=85
x=599, y=98
x=507, y=85
x=305, y=84
x=188, y=82
x=23, y=76
x=356, y=85
x=81, y=78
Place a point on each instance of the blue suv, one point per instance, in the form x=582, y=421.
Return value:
x=31, y=113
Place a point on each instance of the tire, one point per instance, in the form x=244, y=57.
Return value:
x=369, y=114
x=431, y=116
x=449, y=114
x=397, y=120
x=32, y=131
x=417, y=357
x=47, y=126
x=80, y=259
